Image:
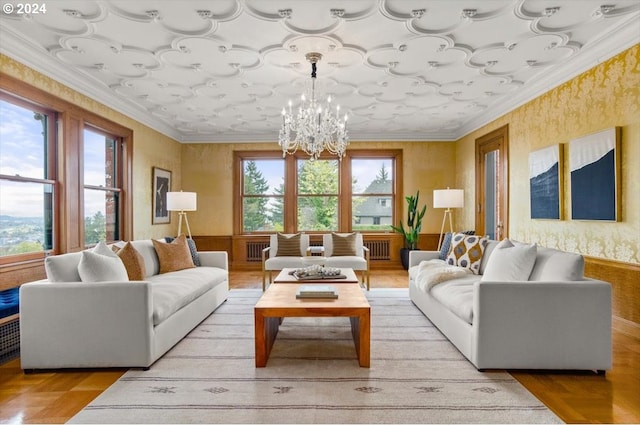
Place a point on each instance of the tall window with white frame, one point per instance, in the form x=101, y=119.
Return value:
x=102, y=186
x=27, y=178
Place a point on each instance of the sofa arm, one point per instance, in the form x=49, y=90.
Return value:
x=542, y=325
x=214, y=259
x=76, y=324
x=415, y=257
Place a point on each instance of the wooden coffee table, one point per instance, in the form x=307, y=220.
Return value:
x=285, y=277
x=279, y=301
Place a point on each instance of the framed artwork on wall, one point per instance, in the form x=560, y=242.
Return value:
x=161, y=185
x=545, y=183
x=594, y=161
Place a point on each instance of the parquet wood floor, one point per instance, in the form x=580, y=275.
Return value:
x=55, y=397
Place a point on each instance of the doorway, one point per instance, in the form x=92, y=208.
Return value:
x=492, y=184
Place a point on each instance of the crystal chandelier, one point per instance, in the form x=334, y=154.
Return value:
x=315, y=125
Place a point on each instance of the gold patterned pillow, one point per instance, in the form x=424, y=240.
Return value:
x=173, y=256
x=132, y=260
x=466, y=251
x=343, y=245
x=288, y=245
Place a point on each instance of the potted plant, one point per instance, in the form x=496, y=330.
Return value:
x=414, y=224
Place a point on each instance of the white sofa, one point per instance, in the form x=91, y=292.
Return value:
x=74, y=324
x=532, y=324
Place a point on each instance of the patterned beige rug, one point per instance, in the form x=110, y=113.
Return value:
x=416, y=375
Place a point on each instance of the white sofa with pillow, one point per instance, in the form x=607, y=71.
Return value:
x=514, y=305
x=89, y=314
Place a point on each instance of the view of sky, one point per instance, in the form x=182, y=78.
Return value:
x=22, y=153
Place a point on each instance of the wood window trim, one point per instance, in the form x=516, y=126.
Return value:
x=344, y=191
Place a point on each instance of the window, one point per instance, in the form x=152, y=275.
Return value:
x=373, y=193
x=59, y=164
x=296, y=194
x=27, y=178
x=317, y=201
x=102, y=186
x=262, y=195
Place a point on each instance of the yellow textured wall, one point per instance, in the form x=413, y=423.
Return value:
x=150, y=148
x=605, y=96
x=208, y=170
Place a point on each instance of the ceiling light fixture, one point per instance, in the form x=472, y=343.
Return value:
x=316, y=127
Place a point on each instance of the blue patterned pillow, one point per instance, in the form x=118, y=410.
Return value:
x=192, y=249
x=446, y=244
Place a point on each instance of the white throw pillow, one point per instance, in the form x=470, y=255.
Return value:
x=103, y=249
x=510, y=262
x=101, y=268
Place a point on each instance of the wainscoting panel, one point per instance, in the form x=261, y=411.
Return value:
x=625, y=282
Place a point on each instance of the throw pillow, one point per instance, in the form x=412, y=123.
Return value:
x=466, y=251
x=101, y=268
x=343, y=245
x=103, y=249
x=510, y=262
x=446, y=245
x=553, y=265
x=288, y=245
x=173, y=256
x=132, y=260
x=192, y=249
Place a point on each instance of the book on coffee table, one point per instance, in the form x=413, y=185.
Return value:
x=316, y=291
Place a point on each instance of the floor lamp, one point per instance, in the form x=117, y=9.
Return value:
x=181, y=202
x=447, y=198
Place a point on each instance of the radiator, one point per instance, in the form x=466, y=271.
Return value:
x=9, y=340
x=378, y=249
x=254, y=251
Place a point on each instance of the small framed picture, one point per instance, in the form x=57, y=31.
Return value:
x=161, y=185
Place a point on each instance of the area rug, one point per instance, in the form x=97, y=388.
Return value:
x=312, y=376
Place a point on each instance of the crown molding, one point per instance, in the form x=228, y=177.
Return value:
x=33, y=56
x=600, y=50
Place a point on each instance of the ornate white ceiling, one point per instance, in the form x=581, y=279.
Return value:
x=221, y=70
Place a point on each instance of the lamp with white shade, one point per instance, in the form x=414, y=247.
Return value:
x=181, y=202
x=447, y=198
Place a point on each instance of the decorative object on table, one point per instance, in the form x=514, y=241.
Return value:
x=181, y=202
x=447, y=198
x=316, y=271
x=161, y=186
x=594, y=161
x=315, y=126
x=545, y=182
x=414, y=224
x=317, y=291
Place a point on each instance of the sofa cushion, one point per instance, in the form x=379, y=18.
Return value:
x=288, y=245
x=553, y=265
x=347, y=261
x=174, y=290
x=132, y=260
x=343, y=244
x=149, y=255
x=173, y=256
x=63, y=267
x=466, y=251
x=101, y=268
x=279, y=263
x=510, y=262
x=457, y=296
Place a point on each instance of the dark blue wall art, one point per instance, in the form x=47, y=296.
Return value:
x=545, y=182
x=594, y=163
